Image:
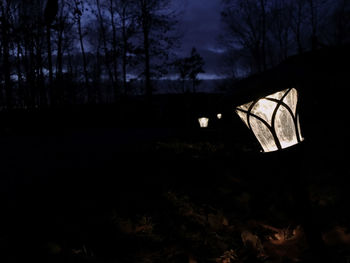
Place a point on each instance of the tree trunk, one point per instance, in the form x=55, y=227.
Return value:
x=59, y=66
x=49, y=61
x=298, y=27
x=124, y=49
x=40, y=79
x=313, y=17
x=29, y=66
x=7, y=74
x=89, y=98
x=146, y=47
x=147, y=67
x=6, y=58
x=19, y=74
x=1, y=78
x=61, y=26
x=125, y=61
x=263, y=42
x=114, y=48
x=97, y=79
x=104, y=40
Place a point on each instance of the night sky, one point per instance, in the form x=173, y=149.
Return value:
x=200, y=25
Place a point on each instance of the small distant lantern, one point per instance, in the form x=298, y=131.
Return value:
x=219, y=116
x=203, y=122
x=273, y=119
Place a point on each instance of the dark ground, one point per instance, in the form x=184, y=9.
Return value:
x=169, y=195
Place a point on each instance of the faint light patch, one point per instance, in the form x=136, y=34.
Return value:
x=131, y=77
x=210, y=76
x=216, y=50
x=201, y=76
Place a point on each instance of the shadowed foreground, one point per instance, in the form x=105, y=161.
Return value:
x=167, y=195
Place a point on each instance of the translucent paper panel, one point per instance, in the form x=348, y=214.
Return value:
x=203, y=122
x=243, y=117
x=263, y=134
x=264, y=109
x=246, y=106
x=298, y=123
x=278, y=95
x=285, y=128
x=291, y=100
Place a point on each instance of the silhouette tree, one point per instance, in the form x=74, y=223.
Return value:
x=106, y=49
x=77, y=14
x=156, y=21
x=281, y=32
x=50, y=13
x=341, y=21
x=246, y=26
x=114, y=51
x=297, y=11
x=266, y=32
x=5, y=28
x=127, y=15
x=317, y=11
x=196, y=64
x=183, y=68
x=29, y=39
x=63, y=41
x=189, y=68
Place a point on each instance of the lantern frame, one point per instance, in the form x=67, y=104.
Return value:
x=272, y=125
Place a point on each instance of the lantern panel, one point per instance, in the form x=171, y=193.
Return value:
x=291, y=100
x=264, y=109
x=246, y=106
x=243, y=117
x=299, y=130
x=285, y=128
x=263, y=134
x=278, y=95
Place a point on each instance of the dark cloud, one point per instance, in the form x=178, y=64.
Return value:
x=200, y=24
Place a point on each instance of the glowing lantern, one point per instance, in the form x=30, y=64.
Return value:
x=203, y=122
x=219, y=116
x=273, y=119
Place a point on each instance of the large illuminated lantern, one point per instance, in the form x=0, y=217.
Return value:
x=273, y=119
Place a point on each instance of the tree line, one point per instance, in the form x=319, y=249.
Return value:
x=56, y=52
x=259, y=34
